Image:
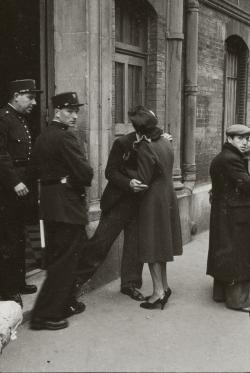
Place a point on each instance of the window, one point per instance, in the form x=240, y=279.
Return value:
x=130, y=60
x=235, y=81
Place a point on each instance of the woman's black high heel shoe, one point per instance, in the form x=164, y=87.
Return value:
x=151, y=306
x=166, y=296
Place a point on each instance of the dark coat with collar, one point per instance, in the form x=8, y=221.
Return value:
x=57, y=154
x=15, y=153
x=15, y=148
x=229, y=253
x=160, y=236
x=121, y=157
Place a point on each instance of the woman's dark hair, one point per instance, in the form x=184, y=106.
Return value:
x=144, y=120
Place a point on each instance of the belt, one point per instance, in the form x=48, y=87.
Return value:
x=20, y=162
x=61, y=180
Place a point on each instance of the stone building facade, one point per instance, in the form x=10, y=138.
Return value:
x=185, y=59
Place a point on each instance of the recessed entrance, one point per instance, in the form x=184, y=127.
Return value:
x=24, y=49
x=20, y=47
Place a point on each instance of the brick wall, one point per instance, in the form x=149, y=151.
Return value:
x=212, y=35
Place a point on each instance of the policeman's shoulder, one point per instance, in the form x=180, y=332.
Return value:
x=5, y=117
x=5, y=112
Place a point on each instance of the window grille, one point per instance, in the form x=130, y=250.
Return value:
x=236, y=76
x=130, y=60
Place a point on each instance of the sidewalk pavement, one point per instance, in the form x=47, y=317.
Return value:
x=192, y=334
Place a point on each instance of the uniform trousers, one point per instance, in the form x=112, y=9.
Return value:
x=64, y=243
x=122, y=216
x=12, y=245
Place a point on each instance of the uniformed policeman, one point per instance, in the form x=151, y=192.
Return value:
x=15, y=152
x=60, y=165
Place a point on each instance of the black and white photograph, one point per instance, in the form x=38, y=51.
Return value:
x=125, y=186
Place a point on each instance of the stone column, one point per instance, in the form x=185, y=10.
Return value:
x=174, y=71
x=191, y=70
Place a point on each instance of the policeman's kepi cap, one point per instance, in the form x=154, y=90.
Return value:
x=23, y=86
x=238, y=129
x=65, y=100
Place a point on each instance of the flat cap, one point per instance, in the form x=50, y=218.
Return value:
x=65, y=99
x=23, y=86
x=238, y=129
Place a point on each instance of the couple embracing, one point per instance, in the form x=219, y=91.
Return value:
x=139, y=199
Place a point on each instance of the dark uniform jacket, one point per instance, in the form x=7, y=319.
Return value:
x=15, y=148
x=121, y=157
x=229, y=254
x=57, y=155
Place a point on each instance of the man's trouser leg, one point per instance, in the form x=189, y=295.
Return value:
x=131, y=268
x=64, y=243
x=110, y=226
x=12, y=251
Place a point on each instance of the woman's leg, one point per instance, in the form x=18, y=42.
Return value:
x=164, y=276
x=156, y=274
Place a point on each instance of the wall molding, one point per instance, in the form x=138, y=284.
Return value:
x=228, y=8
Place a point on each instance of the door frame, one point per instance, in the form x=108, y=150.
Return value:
x=47, y=64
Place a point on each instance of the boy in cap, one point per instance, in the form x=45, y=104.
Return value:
x=15, y=153
x=229, y=255
x=60, y=165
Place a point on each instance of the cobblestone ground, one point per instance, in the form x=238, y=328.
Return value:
x=192, y=334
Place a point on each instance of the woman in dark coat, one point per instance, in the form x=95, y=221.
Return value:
x=159, y=221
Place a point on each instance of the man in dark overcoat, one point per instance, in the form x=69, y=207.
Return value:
x=15, y=152
x=119, y=206
x=229, y=254
x=61, y=166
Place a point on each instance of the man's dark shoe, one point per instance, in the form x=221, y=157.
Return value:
x=133, y=293
x=16, y=297
x=28, y=289
x=39, y=324
x=75, y=308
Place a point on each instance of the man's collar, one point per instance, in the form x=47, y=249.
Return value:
x=14, y=110
x=59, y=124
x=228, y=145
x=11, y=106
x=142, y=137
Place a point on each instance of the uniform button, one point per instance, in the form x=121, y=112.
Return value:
x=7, y=112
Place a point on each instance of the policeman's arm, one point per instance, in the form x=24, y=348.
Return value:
x=8, y=176
x=80, y=171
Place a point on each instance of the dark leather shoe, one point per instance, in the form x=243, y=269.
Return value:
x=38, y=324
x=16, y=297
x=152, y=306
x=242, y=309
x=133, y=293
x=28, y=289
x=75, y=308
